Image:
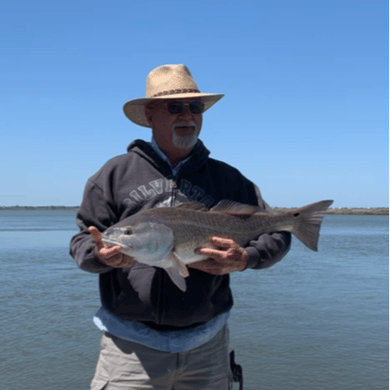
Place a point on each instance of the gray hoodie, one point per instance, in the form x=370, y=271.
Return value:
x=139, y=180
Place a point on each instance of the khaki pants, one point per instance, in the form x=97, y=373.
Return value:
x=126, y=365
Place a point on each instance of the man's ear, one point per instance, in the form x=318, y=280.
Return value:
x=149, y=114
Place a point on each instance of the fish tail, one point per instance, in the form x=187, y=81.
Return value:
x=307, y=223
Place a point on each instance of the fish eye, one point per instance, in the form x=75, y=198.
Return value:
x=127, y=232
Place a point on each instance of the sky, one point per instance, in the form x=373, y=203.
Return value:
x=305, y=114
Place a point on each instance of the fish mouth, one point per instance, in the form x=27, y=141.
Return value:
x=110, y=242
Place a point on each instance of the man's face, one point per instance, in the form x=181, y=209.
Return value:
x=174, y=132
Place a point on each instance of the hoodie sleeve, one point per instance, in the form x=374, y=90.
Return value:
x=94, y=211
x=268, y=249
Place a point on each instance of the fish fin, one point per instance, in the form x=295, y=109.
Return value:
x=193, y=206
x=183, y=268
x=235, y=209
x=177, y=272
x=177, y=278
x=307, y=225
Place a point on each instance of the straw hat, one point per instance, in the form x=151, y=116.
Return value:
x=167, y=82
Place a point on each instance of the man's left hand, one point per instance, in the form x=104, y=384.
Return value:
x=228, y=257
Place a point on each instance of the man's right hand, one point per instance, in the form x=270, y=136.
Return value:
x=110, y=256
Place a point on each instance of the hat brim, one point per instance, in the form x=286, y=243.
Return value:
x=135, y=109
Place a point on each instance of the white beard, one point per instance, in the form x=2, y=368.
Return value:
x=185, y=142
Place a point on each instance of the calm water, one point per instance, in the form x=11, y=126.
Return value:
x=313, y=321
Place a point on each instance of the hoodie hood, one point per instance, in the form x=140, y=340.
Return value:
x=197, y=158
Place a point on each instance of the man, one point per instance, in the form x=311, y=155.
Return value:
x=157, y=336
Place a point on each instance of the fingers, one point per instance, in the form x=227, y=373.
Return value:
x=103, y=250
x=226, y=258
x=115, y=259
x=223, y=248
x=120, y=261
x=96, y=236
x=209, y=252
x=109, y=255
x=223, y=242
x=109, y=251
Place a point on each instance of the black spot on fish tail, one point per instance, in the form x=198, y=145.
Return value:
x=307, y=228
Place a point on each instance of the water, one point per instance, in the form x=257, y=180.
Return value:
x=313, y=321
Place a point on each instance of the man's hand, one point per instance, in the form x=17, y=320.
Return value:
x=229, y=257
x=109, y=255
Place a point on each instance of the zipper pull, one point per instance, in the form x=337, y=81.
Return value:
x=173, y=193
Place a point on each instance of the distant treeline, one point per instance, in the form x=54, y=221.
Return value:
x=360, y=211
x=340, y=211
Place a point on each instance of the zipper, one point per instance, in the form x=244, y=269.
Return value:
x=174, y=192
x=163, y=274
x=160, y=299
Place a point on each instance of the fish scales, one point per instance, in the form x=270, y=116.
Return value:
x=192, y=229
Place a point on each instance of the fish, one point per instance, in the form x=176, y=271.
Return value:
x=168, y=237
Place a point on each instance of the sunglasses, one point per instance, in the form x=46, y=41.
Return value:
x=196, y=107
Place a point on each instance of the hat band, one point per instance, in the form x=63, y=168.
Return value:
x=175, y=91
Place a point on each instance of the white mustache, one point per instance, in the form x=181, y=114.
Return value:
x=185, y=124
x=185, y=141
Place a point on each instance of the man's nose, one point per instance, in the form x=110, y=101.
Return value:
x=186, y=113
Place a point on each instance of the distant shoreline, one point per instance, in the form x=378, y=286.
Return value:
x=278, y=210
x=346, y=210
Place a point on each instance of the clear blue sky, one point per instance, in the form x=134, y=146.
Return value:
x=305, y=114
